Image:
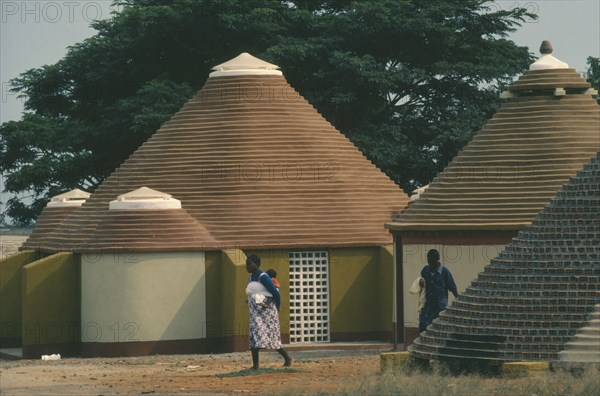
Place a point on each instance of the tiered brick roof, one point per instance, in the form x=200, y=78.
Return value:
x=150, y=231
x=54, y=214
x=147, y=220
x=531, y=299
x=256, y=166
x=511, y=168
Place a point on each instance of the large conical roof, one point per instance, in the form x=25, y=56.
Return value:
x=511, y=168
x=256, y=166
x=531, y=299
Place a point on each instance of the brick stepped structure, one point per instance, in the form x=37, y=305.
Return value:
x=530, y=301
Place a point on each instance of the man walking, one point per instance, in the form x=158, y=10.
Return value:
x=437, y=281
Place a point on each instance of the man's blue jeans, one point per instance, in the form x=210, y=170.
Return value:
x=427, y=315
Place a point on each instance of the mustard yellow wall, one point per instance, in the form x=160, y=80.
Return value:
x=51, y=300
x=10, y=296
x=214, y=309
x=233, y=293
x=385, y=285
x=355, y=290
x=360, y=289
x=465, y=262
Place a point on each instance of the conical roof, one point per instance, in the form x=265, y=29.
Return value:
x=56, y=211
x=257, y=166
x=531, y=299
x=245, y=64
x=513, y=166
x=147, y=220
x=75, y=197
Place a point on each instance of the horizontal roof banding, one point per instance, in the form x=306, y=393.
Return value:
x=50, y=219
x=549, y=79
x=515, y=164
x=149, y=230
x=256, y=166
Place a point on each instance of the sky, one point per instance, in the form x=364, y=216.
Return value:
x=34, y=33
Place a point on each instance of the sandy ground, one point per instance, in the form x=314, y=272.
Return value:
x=313, y=372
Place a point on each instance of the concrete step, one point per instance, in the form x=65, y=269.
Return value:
x=587, y=338
x=584, y=347
x=580, y=357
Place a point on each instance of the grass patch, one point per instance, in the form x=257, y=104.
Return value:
x=140, y=362
x=249, y=371
x=411, y=381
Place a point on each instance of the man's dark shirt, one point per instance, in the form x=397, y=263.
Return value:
x=437, y=285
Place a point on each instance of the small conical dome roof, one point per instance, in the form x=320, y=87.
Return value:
x=548, y=72
x=75, y=197
x=144, y=198
x=54, y=214
x=147, y=220
x=245, y=64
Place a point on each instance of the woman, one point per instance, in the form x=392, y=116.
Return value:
x=263, y=301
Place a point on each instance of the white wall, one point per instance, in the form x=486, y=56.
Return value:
x=143, y=297
x=465, y=262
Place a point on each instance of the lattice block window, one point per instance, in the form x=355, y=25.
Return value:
x=309, y=297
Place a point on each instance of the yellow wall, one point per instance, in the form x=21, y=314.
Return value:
x=50, y=300
x=360, y=287
x=233, y=287
x=214, y=292
x=143, y=297
x=465, y=262
x=355, y=290
x=385, y=283
x=10, y=296
x=360, y=290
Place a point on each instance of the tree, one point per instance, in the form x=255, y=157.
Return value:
x=409, y=82
x=593, y=74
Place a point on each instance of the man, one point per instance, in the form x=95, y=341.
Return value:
x=437, y=281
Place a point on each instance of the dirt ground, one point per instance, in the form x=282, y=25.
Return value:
x=313, y=372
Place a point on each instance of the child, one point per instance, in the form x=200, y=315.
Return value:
x=273, y=274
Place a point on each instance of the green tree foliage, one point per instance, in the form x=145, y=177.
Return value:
x=409, y=82
x=593, y=74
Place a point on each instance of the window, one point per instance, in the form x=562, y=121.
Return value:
x=309, y=297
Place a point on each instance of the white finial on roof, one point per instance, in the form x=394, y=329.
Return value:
x=546, y=60
x=244, y=64
x=74, y=197
x=144, y=198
